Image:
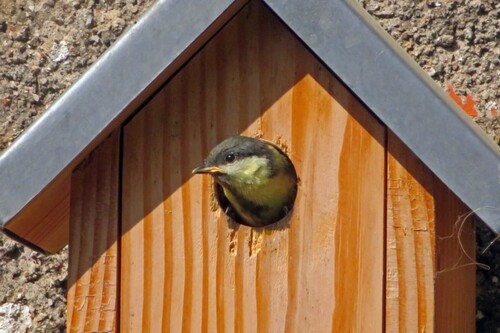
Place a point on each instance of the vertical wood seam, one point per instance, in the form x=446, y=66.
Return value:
x=117, y=326
x=385, y=228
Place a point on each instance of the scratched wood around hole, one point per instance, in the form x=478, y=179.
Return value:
x=424, y=292
x=93, y=249
x=184, y=267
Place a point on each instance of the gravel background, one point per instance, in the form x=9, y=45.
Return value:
x=46, y=45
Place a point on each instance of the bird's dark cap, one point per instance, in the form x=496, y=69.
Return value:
x=240, y=146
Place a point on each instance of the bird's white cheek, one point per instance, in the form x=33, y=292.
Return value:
x=252, y=171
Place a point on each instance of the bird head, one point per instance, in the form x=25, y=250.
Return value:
x=254, y=179
x=239, y=161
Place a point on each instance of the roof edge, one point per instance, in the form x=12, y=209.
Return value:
x=137, y=64
x=343, y=35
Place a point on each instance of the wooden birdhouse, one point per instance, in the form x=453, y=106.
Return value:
x=388, y=170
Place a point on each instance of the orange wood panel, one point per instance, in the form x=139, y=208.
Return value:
x=455, y=295
x=93, y=247
x=185, y=267
x=421, y=211
x=410, y=241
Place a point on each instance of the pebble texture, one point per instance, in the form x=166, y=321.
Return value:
x=46, y=45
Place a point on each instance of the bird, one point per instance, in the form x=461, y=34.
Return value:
x=254, y=178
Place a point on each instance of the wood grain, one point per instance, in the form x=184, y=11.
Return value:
x=93, y=248
x=420, y=297
x=185, y=267
x=410, y=242
x=455, y=295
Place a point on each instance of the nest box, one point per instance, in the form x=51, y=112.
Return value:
x=388, y=166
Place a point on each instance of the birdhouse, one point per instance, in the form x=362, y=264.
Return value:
x=389, y=170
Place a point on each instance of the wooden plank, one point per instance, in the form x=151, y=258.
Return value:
x=420, y=297
x=44, y=223
x=455, y=296
x=93, y=248
x=410, y=263
x=184, y=267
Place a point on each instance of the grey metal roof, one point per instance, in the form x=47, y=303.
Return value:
x=403, y=96
x=339, y=32
x=105, y=95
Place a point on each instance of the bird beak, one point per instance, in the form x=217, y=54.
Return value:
x=208, y=169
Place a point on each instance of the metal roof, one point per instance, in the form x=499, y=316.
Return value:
x=103, y=97
x=340, y=33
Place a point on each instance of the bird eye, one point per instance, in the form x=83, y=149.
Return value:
x=230, y=158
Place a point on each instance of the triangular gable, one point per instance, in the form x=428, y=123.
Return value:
x=340, y=33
